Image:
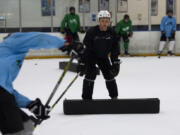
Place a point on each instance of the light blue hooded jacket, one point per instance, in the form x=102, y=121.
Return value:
x=12, y=53
x=168, y=25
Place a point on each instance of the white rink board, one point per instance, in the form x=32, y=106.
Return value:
x=141, y=43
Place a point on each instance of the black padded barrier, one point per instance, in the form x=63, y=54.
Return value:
x=108, y=106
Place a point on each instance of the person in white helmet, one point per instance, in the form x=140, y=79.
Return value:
x=100, y=41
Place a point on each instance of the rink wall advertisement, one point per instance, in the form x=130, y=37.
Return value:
x=46, y=7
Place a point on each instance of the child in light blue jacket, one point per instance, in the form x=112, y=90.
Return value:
x=168, y=30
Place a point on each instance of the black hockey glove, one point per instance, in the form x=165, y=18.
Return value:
x=70, y=51
x=130, y=34
x=76, y=49
x=115, y=67
x=173, y=33
x=81, y=30
x=39, y=110
x=81, y=68
x=73, y=54
x=64, y=48
x=62, y=31
x=162, y=32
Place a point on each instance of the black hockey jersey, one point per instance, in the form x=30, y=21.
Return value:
x=101, y=43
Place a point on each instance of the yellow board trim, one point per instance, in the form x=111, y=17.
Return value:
x=65, y=56
x=45, y=57
x=146, y=55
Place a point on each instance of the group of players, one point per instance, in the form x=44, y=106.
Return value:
x=70, y=25
x=124, y=30
x=100, y=42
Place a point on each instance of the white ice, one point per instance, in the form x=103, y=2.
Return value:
x=139, y=78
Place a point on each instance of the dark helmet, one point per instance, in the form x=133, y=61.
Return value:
x=170, y=11
x=71, y=8
x=126, y=16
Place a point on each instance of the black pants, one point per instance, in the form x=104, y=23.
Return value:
x=164, y=38
x=11, y=117
x=105, y=67
x=125, y=37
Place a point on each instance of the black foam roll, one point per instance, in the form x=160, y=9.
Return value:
x=108, y=106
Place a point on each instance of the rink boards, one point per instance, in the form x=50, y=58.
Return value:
x=143, y=43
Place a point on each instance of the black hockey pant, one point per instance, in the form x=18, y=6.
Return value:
x=88, y=83
x=164, y=38
x=13, y=121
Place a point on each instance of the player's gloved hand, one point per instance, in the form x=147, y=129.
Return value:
x=76, y=49
x=115, y=67
x=118, y=37
x=64, y=48
x=130, y=34
x=73, y=54
x=62, y=31
x=82, y=30
x=173, y=33
x=39, y=110
x=162, y=32
x=73, y=49
x=81, y=68
x=78, y=46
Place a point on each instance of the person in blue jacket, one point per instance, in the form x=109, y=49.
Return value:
x=168, y=31
x=13, y=121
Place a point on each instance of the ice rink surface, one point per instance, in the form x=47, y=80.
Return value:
x=140, y=77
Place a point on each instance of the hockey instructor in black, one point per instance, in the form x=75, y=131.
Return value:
x=100, y=41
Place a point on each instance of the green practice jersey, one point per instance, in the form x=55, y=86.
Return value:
x=72, y=22
x=123, y=28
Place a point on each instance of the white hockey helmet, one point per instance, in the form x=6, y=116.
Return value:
x=104, y=14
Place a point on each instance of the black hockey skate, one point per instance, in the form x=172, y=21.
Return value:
x=126, y=53
x=159, y=54
x=170, y=53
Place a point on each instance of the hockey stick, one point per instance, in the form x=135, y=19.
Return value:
x=38, y=122
x=59, y=81
x=64, y=92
